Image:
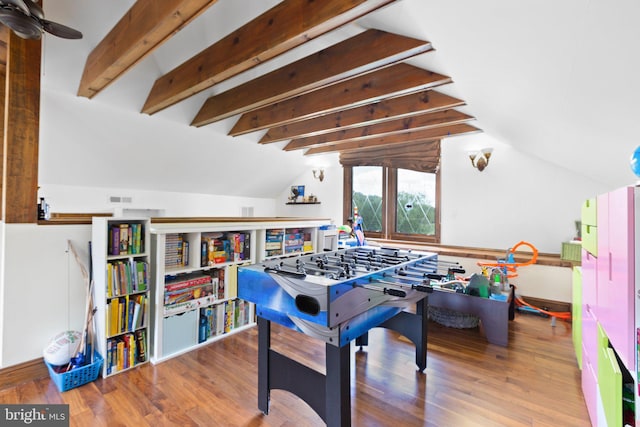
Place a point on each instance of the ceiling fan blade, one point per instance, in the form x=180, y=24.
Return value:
x=60, y=30
x=34, y=8
x=20, y=4
x=24, y=26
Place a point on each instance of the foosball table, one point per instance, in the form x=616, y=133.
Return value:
x=336, y=297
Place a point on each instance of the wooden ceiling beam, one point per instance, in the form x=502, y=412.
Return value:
x=391, y=81
x=414, y=123
x=289, y=24
x=367, y=51
x=145, y=26
x=410, y=136
x=378, y=112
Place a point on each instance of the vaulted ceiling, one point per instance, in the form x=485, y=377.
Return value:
x=553, y=81
x=355, y=94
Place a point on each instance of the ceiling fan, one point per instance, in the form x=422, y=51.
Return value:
x=26, y=19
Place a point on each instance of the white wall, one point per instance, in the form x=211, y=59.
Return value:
x=44, y=291
x=517, y=197
x=328, y=192
x=64, y=198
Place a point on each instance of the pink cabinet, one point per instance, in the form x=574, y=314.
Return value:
x=615, y=291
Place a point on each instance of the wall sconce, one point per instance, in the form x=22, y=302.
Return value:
x=482, y=156
x=318, y=174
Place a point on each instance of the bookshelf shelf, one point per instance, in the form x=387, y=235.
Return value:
x=121, y=271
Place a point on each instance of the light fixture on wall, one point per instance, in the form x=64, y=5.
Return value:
x=480, y=159
x=318, y=174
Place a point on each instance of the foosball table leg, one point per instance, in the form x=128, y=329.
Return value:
x=328, y=394
x=362, y=340
x=264, y=344
x=414, y=327
x=338, y=386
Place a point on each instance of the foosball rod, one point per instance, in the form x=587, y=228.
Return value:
x=387, y=291
x=421, y=288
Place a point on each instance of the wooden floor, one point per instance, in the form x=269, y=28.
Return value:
x=535, y=381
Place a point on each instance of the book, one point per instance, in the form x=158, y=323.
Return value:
x=238, y=308
x=131, y=347
x=130, y=315
x=124, y=239
x=232, y=282
x=142, y=301
x=220, y=288
x=135, y=317
x=114, y=310
x=141, y=346
x=203, y=326
x=141, y=275
x=120, y=355
x=228, y=316
x=220, y=311
x=247, y=313
x=108, y=356
x=115, y=240
x=109, y=280
x=187, y=282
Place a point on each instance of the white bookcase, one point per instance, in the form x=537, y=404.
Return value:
x=121, y=272
x=194, y=277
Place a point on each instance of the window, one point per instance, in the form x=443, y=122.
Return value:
x=367, y=196
x=415, y=203
x=394, y=203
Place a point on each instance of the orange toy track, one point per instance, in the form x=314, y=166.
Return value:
x=564, y=315
x=512, y=266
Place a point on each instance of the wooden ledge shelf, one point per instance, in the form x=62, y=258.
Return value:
x=477, y=253
x=303, y=203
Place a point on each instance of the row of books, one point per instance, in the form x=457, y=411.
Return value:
x=126, y=239
x=273, y=242
x=126, y=314
x=218, y=248
x=126, y=351
x=297, y=240
x=193, y=289
x=176, y=251
x=126, y=277
x=222, y=318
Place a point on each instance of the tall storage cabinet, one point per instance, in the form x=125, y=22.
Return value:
x=120, y=261
x=616, y=284
x=609, y=299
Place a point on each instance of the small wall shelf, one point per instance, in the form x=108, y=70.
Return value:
x=303, y=203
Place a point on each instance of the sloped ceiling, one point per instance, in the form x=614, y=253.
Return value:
x=556, y=80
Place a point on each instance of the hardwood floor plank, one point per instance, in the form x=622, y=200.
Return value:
x=534, y=381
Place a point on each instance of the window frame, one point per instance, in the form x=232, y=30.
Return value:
x=389, y=206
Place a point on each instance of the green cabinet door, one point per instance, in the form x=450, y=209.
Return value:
x=576, y=313
x=589, y=226
x=609, y=381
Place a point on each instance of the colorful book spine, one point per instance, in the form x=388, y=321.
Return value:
x=182, y=284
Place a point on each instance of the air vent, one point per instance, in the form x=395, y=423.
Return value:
x=120, y=199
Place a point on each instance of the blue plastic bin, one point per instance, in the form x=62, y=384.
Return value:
x=77, y=376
